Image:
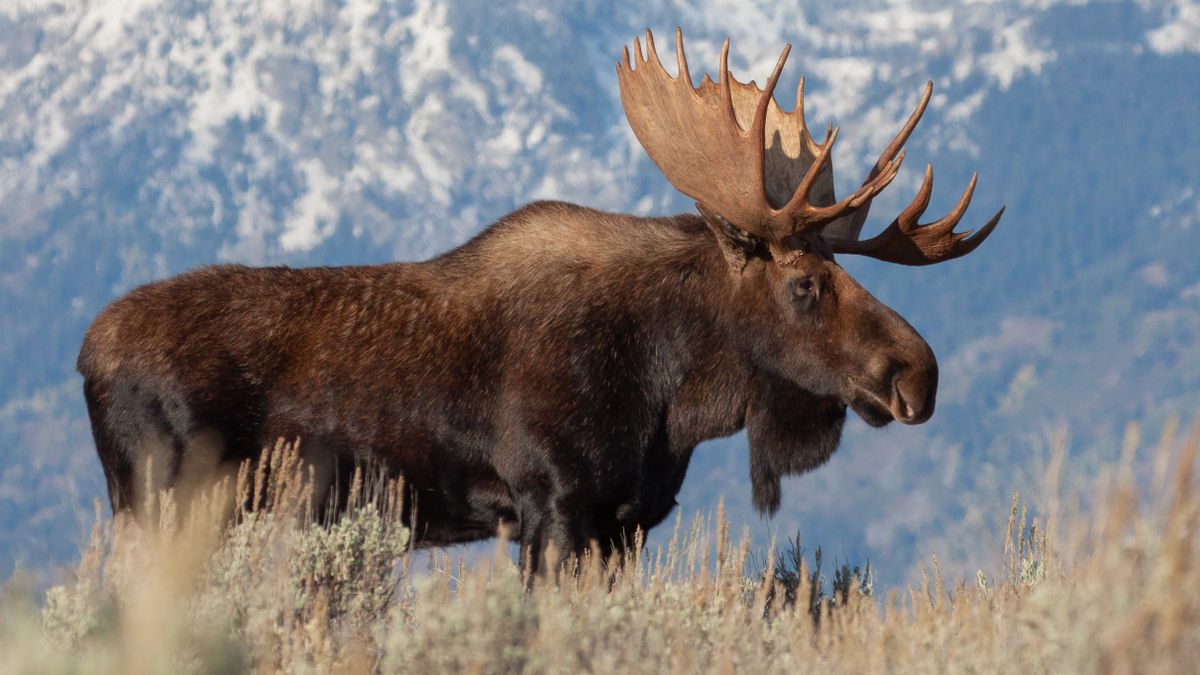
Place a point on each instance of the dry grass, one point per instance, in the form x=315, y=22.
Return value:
x=1115, y=588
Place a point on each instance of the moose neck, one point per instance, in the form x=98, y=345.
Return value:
x=709, y=371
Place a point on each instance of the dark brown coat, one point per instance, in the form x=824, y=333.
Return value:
x=553, y=374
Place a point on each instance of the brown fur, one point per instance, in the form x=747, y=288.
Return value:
x=552, y=375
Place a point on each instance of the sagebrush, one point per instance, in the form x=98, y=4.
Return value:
x=272, y=588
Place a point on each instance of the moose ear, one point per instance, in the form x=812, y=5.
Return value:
x=736, y=244
x=791, y=431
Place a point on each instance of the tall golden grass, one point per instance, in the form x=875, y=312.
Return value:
x=1112, y=588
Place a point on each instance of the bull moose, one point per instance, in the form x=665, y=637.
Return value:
x=553, y=375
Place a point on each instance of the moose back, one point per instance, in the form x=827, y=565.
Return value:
x=553, y=375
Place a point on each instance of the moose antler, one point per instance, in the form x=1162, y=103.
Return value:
x=729, y=146
x=908, y=242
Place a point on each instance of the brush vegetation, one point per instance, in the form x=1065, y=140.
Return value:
x=1113, y=587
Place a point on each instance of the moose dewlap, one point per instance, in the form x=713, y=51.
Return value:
x=553, y=375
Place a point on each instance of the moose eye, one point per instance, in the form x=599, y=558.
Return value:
x=804, y=292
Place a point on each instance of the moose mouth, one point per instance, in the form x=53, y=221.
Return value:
x=878, y=409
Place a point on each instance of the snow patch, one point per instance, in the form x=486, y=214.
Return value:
x=1155, y=275
x=903, y=23
x=1181, y=33
x=962, y=110
x=848, y=78
x=312, y=220
x=1015, y=54
x=529, y=75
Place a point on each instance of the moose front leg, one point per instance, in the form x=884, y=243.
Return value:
x=555, y=531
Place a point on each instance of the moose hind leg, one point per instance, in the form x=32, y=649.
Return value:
x=141, y=428
x=118, y=469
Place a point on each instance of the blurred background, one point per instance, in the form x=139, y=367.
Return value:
x=139, y=139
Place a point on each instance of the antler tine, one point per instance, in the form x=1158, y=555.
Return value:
x=764, y=100
x=800, y=197
x=806, y=137
x=948, y=221
x=972, y=242
x=651, y=50
x=758, y=129
x=902, y=136
x=908, y=217
x=685, y=76
x=726, y=87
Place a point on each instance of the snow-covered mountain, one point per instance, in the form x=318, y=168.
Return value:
x=140, y=138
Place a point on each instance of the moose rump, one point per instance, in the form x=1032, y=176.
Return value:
x=186, y=378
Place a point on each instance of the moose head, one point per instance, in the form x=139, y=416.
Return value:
x=765, y=187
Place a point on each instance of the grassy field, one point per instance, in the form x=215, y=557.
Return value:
x=1103, y=582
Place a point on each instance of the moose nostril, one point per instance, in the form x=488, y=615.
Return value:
x=905, y=407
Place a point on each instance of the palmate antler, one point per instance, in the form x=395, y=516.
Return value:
x=729, y=146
